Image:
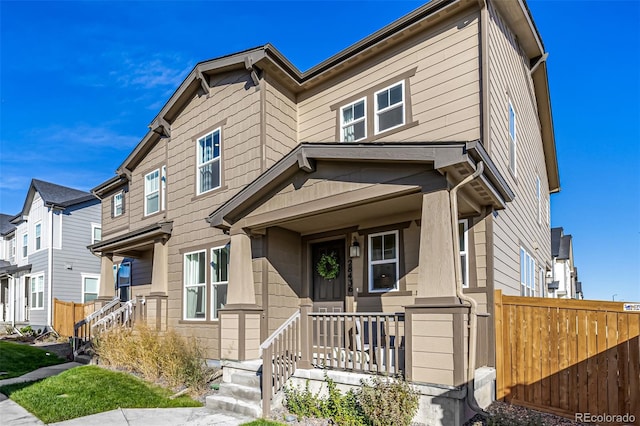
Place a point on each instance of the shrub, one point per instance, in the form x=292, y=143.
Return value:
x=388, y=402
x=168, y=356
x=28, y=331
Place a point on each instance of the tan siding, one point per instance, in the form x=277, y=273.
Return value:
x=518, y=224
x=444, y=89
x=281, y=122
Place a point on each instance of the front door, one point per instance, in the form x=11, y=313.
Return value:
x=328, y=264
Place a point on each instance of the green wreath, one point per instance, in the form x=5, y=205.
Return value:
x=328, y=266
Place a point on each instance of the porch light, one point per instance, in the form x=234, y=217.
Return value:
x=354, y=250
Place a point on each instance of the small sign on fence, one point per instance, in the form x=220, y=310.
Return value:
x=632, y=307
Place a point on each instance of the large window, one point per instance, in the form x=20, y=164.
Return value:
x=353, y=121
x=25, y=245
x=152, y=192
x=389, y=107
x=219, y=279
x=37, y=291
x=513, y=147
x=527, y=273
x=38, y=236
x=383, y=261
x=195, y=290
x=209, y=162
x=118, y=204
x=90, y=286
x=463, y=230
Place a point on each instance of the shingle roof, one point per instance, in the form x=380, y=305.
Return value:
x=60, y=195
x=5, y=224
x=556, y=236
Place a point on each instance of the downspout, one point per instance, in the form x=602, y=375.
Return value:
x=473, y=305
x=50, y=271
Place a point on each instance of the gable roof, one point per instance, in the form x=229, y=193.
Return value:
x=560, y=244
x=53, y=195
x=6, y=226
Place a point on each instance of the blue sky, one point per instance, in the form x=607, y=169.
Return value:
x=80, y=81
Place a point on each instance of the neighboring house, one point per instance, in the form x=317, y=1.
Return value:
x=44, y=253
x=352, y=163
x=563, y=277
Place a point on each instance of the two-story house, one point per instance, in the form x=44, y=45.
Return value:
x=407, y=175
x=45, y=253
x=562, y=279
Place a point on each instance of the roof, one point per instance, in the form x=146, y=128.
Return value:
x=53, y=195
x=560, y=244
x=5, y=224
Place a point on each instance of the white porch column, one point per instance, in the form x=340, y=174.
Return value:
x=436, y=273
x=160, y=270
x=241, y=289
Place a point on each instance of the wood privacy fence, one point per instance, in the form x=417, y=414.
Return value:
x=568, y=356
x=66, y=314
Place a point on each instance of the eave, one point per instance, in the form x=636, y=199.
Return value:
x=131, y=243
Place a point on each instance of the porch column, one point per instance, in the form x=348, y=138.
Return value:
x=107, y=286
x=436, y=273
x=160, y=271
x=240, y=319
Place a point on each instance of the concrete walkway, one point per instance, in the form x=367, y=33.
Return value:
x=12, y=414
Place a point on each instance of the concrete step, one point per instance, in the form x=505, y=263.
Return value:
x=245, y=378
x=245, y=393
x=234, y=405
x=83, y=359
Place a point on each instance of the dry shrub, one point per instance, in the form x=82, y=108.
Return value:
x=168, y=357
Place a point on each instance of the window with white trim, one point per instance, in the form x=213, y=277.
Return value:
x=118, y=204
x=96, y=233
x=38, y=236
x=37, y=291
x=152, y=192
x=25, y=245
x=389, y=107
x=90, y=287
x=513, y=147
x=353, y=121
x=195, y=290
x=12, y=246
x=463, y=228
x=383, y=261
x=539, y=199
x=208, y=174
x=163, y=185
x=527, y=273
x=219, y=279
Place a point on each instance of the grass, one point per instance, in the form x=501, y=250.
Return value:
x=87, y=390
x=18, y=359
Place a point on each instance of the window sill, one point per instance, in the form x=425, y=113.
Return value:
x=389, y=293
x=194, y=321
x=208, y=193
x=158, y=213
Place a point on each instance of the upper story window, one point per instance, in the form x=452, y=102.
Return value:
x=96, y=233
x=25, y=245
x=195, y=290
x=12, y=247
x=383, y=261
x=208, y=174
x=353, y=121
x=513, y=147
x=38, y=236
x=463, y=230
x=219, y=278
x=117, y=204
x=539, y=199
x=527, y=273
x=152, y=192
x=389, y=107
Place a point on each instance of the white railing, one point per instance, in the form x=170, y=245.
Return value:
x=123, y=316
x=82, y=330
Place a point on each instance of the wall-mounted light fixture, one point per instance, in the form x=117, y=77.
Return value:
x=354, y=250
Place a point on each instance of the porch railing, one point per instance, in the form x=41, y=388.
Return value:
x=280, y=354
x=123, y=316
x=367, y=342
x=82, y=330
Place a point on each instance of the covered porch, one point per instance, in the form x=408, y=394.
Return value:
x=359, y=258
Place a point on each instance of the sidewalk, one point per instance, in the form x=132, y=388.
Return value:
x=12, y=414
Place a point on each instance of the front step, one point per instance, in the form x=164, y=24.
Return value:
x=240, y=390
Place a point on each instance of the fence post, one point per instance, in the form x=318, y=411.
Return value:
x=306, y=336
x=267, y=380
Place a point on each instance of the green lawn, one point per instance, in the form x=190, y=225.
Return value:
x=87, y=390
x=17, y=359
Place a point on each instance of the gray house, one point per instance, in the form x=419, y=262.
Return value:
x=43, y=253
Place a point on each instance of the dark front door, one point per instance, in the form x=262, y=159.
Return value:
x=328, y=291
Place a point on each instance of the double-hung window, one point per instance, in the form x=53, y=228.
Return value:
x=383, y=261
x=353, y=121
x=38, y=236
x=463, y=228
x=152, y=192
x=195, y=290
x=96, y=233
x=539, y=199
x=37, y=292
x=118, y=204
x=527, y=273
x=90, y=287
x=219, y=279
x=513, y=147
x=25, y=245
x=389, y=106
x=209, y=162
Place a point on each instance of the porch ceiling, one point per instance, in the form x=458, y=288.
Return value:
x=134, y=243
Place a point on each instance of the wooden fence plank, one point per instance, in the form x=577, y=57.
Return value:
x=592, y=360
x=603, y=406
x=572, y=371
x=500, y=365
x=634, y=364
x=545, y=356
x=623, y=366
x=527, y=331
x=612, y=362
x=517, y=369
x=536, y=352
x=553, y=358
x=583, y=383
x=563, y=360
